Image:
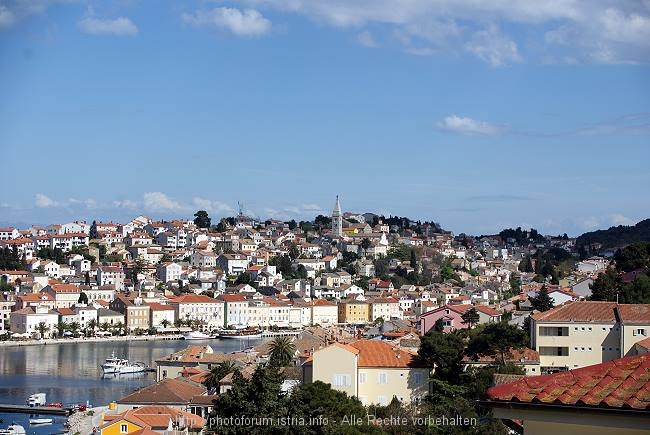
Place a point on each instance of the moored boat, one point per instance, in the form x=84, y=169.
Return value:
x=13, y=429
x=195, y=335
x=240, y=333
x=117, y=366
x=34, y=421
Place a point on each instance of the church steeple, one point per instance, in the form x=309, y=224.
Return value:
x=337, y=219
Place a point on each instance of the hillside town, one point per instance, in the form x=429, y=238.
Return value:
x=354, y=299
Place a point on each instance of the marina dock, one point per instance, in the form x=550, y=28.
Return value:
x=24, y=409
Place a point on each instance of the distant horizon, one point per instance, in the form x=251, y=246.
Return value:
x=216, y=218
x=478, y=115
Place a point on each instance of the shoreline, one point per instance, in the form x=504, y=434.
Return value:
x=55, y=341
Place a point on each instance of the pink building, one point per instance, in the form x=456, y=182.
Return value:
x=450, y=315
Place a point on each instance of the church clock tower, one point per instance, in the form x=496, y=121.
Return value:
x=337, y=219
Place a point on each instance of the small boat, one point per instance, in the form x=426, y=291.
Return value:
x=117, y=366
x=195, y=335
x=13, y=429
x=34, y=421
x=240, y=333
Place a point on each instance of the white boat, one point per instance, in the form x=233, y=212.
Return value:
x=240, y=333
x=34, y=421
x=37, y=399
x=195, y=335
x=13, y=429
x=118, y=366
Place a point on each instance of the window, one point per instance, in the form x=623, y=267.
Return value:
x=417, y=378
x=124, y=428
x=640, y=331
x=362, y=378
x=383, y=378
x=382, y=400
x=341, y=380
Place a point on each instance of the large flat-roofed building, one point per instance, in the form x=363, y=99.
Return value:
x=582, y=333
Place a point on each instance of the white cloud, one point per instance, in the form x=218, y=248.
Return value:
x=121, y=26
x=211, y=206
x=630, y=29
x=7, y=17
x=602, y=31
x=493, y=47
x=127, y=203
x=43, y=201
x=366, y=39
x=590, y=223
x=469, y=126
x=158, y=201
x=248, y=22
x=619, y=219
x=88, y=203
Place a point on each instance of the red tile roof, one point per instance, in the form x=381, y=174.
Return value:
x=580, y=311
x=620, y=383
x=634, y=313
x=376, y=353
x=193, y=299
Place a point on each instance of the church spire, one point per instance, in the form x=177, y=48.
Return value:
x=337, y=219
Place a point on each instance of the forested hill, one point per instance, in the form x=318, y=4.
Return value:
x=617, y=236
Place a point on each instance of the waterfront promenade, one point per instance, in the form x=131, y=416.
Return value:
x=124, y=338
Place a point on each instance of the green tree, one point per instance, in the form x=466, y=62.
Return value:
x=105, y=326
x=294, y=251
x=164, y=323
x=42, y=329
x=542, y=302
x=74, y=328
x=87, y=278
x=292, y=224
x=365, y=245
x=526, y=265
x=83, y=298
x=216, y=374
x=443, y=352
x=61, y=327
x=470, y=317
x=606, y=286
x=92, y=326
x=414, y=261
x=496, y=339
x=201, y=219
x=281, y=351
x=636, y=292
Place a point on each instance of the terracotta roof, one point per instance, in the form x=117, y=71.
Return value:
x=171, y=391
x=233, y=298
x=645, y=343
x=487, y=310
x=579, y=311
x=193, y=299
x=66, y=312
x=620, y=383
x=64, y=288
x=634, y=313
x=155, y=306
x=376, y=353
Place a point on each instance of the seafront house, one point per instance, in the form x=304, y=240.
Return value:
x=235, y=309
x=371, y=370
x=135, y=311
x=26, y=320
x=352, y=311
x=208, y=311
x=584, y=333
x=110, y=317
x=161, y=313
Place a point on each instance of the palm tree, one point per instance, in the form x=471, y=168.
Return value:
x=217, y=373
x=104, y=326
x=282, y=351
x=164, y=323
x=74, y=327
x=42, y=328
x=92, y=325
x=61, y=327
x=118, y=327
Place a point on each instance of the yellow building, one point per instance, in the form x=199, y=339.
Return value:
x=155, y=419
x=583, y=333
x=354, y=312
x=371, y=370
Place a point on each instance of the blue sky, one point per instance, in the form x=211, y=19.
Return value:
x=477, y=114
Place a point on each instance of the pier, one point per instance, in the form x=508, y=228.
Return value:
x=24, y=409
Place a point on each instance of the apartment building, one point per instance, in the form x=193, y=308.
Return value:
x=584, y=333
